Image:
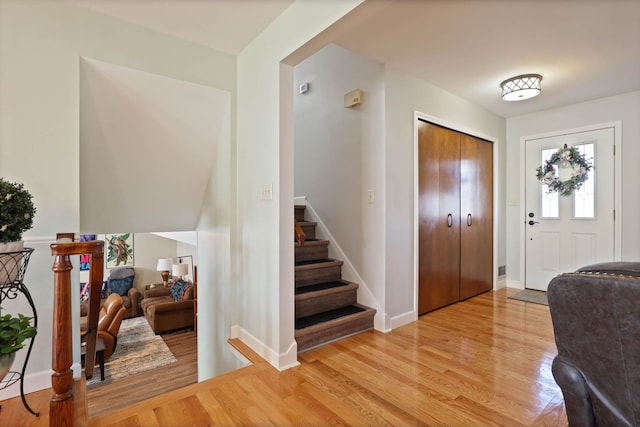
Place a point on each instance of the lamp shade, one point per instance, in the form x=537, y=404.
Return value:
x=521, y=87
x=179, y=270
x=164, y=264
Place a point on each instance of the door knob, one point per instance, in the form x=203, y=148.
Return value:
x=533, y=222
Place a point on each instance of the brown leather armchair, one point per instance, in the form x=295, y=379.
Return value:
x=109, y=320
x=596, y=322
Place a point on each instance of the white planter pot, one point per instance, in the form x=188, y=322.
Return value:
x=6, y=360
x=10, y=263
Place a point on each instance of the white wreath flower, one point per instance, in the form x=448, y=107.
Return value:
x=565, y=157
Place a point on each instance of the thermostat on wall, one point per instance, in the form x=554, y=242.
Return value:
x=353, y=98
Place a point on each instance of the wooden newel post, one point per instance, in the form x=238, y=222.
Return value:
x=61, y=407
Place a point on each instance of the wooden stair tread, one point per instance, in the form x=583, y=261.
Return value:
x=320, y=319
x=317, y=263
x=313, y=242
x=326, y=307
x=325, y=287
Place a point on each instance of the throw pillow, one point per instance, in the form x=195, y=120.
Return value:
x=188, y=294
x=122, y=273
x=177, y=290
x=120, y=286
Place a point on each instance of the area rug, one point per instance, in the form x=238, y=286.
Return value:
x=138, y=350
x=529, y=295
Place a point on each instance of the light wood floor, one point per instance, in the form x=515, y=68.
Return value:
x=135, y=388
x=126, y=391
x=484, y=361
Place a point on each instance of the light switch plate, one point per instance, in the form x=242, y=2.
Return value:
x=266, y=192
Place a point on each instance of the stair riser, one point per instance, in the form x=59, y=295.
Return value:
x=318, y=275
x=325, y=302
x=334, y=330
x=311, y=252
x=309, y=231
x=299, y=213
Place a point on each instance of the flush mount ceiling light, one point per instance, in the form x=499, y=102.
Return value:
x=521, y=87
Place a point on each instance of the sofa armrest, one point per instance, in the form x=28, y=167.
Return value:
x=623, y=268
x=575, y=392
x=134, y=296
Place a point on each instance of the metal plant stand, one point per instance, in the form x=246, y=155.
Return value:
x=12, y=268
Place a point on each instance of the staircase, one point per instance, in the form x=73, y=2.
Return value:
x=327, y=307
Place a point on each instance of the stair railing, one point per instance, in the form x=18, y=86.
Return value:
x=61, y=406
x=300, y=236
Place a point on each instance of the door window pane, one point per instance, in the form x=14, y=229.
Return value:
x=549, y=202
x=584, y=199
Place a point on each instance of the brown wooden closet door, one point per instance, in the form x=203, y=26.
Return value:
x=476, y=211
x=439, y=216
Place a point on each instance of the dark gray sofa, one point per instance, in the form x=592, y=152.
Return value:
x=596, y=322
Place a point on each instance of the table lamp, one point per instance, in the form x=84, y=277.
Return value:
x=164, y=265
x=179, y=270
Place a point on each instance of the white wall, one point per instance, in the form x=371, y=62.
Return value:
x=265, y=155
x=219, y=268
x=403, y=96
x=41, y=42
x=148, y=248
x=339, y=156
x=624, y=107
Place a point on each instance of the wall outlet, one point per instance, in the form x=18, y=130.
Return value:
x=266, y=192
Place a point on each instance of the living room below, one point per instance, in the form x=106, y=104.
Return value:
x=137, y=310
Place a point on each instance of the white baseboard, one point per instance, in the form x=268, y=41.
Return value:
x=403, y=319
x=515, y=284
x=501, y=283
x=32, y=382
x=281, y=362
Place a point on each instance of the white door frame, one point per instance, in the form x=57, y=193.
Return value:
x=617, y=187
x=416, y=219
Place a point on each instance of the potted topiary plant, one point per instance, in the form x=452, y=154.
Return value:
x=16, y=217
x=13, y=332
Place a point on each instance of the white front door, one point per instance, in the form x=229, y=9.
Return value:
x=564, y=233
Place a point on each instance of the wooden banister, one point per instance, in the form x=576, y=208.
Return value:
x=61, y=409
x=300, y=236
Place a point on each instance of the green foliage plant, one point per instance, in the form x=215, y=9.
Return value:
x=16, y=211
x=14, y=331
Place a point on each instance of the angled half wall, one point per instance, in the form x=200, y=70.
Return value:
x=147, y=146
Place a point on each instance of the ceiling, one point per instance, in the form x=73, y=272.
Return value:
x=224, y=25
x=584, y=49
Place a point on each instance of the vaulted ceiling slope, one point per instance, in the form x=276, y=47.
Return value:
x=585, y=49
x=224, y=25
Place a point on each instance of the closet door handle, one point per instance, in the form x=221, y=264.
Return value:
x=469, y=220
x=449, y=220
